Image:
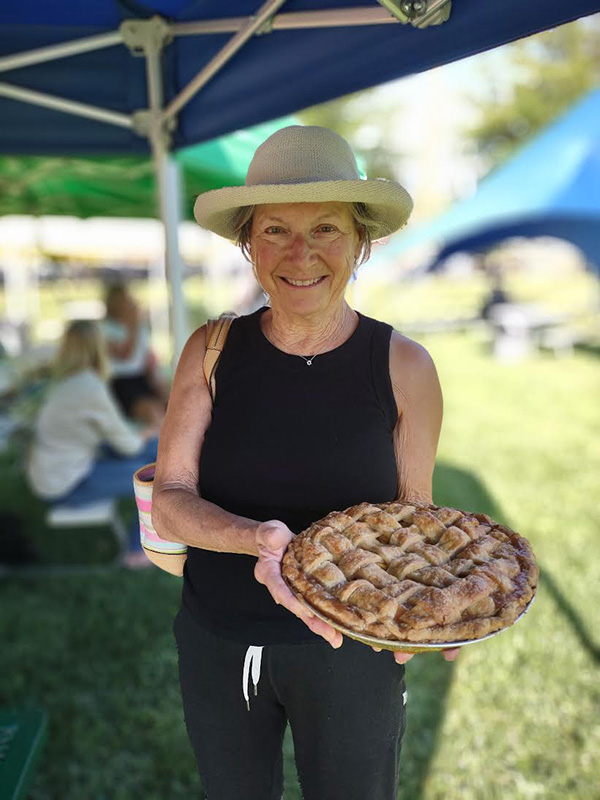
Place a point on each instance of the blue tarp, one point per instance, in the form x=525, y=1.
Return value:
x=272, y=75
x=551, y=187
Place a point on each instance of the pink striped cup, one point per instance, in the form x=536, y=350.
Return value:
x=143, y=482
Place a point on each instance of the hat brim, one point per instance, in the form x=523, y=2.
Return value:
x=388, y=203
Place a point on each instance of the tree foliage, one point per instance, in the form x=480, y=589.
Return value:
x=350, y=116
x=547, y=73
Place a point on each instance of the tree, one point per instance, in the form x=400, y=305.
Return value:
x=547, y=73
x=362, y=118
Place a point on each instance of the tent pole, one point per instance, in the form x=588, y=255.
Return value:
x=291, y=20
x=169, y=193
x=168, y=184
x=304, y=20
x=68, y=106
x=253, y=24
x=55, y=51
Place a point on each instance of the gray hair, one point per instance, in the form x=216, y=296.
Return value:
x=363, y=222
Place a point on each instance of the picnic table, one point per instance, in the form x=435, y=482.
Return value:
x=521, y=328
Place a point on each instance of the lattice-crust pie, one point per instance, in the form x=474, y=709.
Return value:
x=412, y=573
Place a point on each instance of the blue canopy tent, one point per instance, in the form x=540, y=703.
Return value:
x=128, y=74
x=551, y=187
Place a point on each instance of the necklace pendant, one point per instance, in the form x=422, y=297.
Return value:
x=309, y=362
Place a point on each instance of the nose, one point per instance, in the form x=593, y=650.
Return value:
x=300, y=248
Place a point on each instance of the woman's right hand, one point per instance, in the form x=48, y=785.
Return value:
x=272, y=539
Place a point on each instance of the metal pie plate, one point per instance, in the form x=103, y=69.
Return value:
x=408, y=647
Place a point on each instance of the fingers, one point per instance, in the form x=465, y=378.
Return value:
x=269, y=574
x=328, y=633
x=402, y=658
x=450, y=655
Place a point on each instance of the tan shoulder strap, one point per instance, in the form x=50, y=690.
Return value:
x=216, y=335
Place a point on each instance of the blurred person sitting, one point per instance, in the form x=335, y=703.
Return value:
x=135, y=381
x=83, y=449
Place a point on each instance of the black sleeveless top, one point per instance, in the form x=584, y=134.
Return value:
x=291, y=442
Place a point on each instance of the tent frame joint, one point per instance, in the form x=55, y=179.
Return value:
x=143, y=36
x=418, y=13
x=266, y=27
x=144, y=124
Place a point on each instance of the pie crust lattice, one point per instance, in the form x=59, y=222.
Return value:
x=412, y=572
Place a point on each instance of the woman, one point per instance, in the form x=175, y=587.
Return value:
x=83, y=449
x=134, y=380
x=317, y=408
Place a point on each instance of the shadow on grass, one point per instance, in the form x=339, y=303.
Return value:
x=429, y=677
x=454, y=486
x=579, y=628
x=97, y=654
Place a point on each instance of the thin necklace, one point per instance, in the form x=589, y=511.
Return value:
x=308, y=360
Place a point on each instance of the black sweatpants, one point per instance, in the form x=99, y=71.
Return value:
x=345, y=708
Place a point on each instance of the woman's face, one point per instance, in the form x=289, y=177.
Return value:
x=123, y=306
x=304, y=254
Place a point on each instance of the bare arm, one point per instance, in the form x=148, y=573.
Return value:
x=178, y=513
x=419, y=401
x=420, y=406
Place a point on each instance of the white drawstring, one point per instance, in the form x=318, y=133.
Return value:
x=252, y=660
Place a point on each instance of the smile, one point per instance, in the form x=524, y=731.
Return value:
x=311, y=282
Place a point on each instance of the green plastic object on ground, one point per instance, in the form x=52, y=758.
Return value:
x=22, y=736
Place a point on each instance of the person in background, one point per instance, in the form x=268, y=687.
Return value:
x=83, y=449
x=497, y=295
x=135, y=381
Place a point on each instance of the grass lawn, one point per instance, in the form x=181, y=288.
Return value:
x=513, y=717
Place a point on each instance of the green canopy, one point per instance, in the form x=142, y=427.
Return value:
x=124, y=186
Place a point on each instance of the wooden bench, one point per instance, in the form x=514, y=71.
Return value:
x=22, y=737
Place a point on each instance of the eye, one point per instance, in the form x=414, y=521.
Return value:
x=326, y=228
x=273, y=229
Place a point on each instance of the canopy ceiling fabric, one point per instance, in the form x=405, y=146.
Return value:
x=274, y=74
x=124, y=186
x=551, y=187
x=583, y=232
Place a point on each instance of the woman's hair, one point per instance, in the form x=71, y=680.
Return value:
x=363, y=223
x=114, y=294
x=82, y=347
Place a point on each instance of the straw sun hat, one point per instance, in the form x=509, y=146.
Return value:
x=305, y=164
